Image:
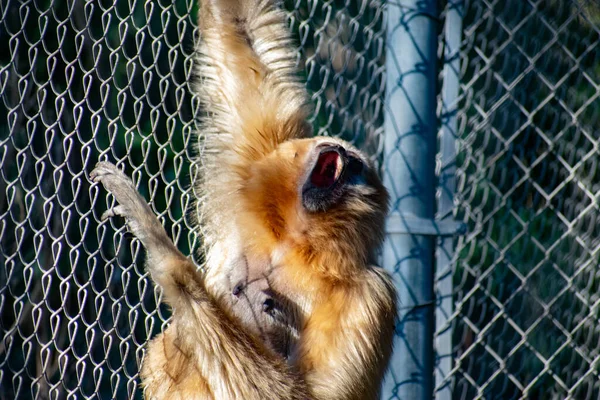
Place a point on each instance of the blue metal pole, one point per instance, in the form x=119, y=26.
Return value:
x=447, y=182
x=409, y=174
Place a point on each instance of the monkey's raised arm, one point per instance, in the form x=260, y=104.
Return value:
x=249, y=84
x=252, y=100
x=205, y=354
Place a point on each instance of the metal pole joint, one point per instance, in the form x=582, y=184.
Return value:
x=403, y=223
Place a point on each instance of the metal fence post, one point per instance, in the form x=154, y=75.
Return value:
x=446, y=185
x=409, y=174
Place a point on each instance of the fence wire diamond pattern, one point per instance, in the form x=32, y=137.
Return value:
x=82, y=81
x=527, y=321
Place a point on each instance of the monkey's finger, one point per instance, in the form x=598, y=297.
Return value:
x=114, y=211
x=102, y=169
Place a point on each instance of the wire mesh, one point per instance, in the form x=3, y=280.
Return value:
x=82, y=81
x=526, y=277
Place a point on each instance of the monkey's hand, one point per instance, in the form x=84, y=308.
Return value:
x=139, y=216
x=169, y=268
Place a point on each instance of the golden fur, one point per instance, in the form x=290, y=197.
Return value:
x=290, y=306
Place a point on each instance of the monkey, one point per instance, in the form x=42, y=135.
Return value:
x=289, y=304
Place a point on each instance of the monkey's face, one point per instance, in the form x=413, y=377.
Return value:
x=319, y=193
x=336, y=176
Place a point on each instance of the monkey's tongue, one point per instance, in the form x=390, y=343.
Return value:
x=327, y=170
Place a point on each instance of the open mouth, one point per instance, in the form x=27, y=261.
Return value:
x=325, y=183
x=328, y=168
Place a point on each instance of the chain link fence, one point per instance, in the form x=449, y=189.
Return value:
x=82, y=81
x=526, y=277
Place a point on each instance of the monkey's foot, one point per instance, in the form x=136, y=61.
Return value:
x=139, y=216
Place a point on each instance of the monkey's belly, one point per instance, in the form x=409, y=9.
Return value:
x=262, y=311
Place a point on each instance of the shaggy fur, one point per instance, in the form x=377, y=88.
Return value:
x=290, y=306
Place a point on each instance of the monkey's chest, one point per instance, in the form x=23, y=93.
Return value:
x=250, y=293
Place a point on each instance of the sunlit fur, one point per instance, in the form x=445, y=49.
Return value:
x=255, y=156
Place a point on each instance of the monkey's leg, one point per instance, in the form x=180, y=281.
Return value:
x=214, y=347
